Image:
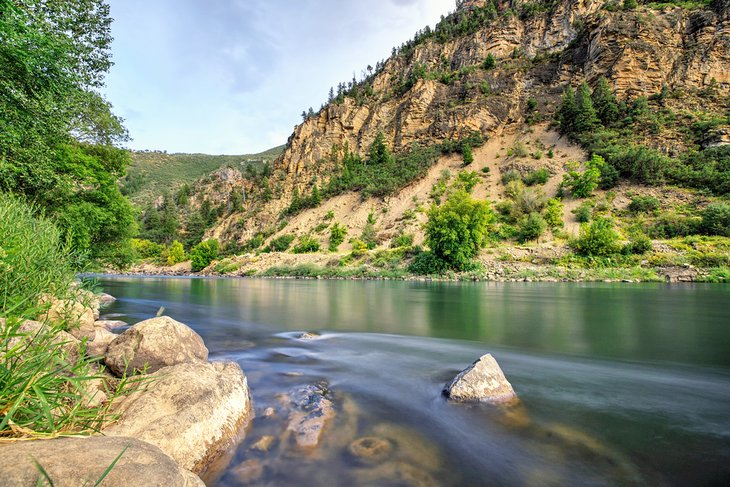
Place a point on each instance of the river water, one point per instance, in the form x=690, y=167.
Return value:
x=620, y=384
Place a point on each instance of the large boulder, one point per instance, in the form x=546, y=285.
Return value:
x=100, y=343
x=154, y=344
x=194, y=412
x=70, y=462
x=482, y=381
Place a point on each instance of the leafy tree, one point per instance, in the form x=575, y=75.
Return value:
x=175, y=253
x=530, y=227
x=307, y=244
x=281, y=243
x=716, y=219
x=203, y=254
x=597, y=238
x=582, y=184
x=585, y=114
x=554, y=213
x=457, y=230
x=604, y=102
x=337, y=236
x=466, y=180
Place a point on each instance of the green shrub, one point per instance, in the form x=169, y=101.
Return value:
x=337, y=236
x=307, y=244
x=490, y=62
x=466, y=180
x=146, y=249
x=638, y=244
x=597, y=239
x=538, y=176
x=203, y=254
x=174, y=254
x=468, y=156
x=643, y=204
x=402, y=240
x=584, y=212
x=582, y=184
x=281, y=243
x=671, y=225
x=716, y=219
x=530, y=227
x=427, y=264
x=358, y=247
x=554, y=213
x=457, y=230
x=518, y=150
x=511, y=175
x=369, y=235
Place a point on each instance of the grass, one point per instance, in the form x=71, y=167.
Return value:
x=45, y=378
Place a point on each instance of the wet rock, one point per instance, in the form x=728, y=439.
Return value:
x=370, y=450
x=397, y=473
x=194, y=412
x=109, y=324
x=248, y=471
x=410, y=446
x=105, y=299
x=71, y=462
x=309, y=335
x=269, y=412
x=312, y=410
x=264, y=443
x=481, y=381
x=154, y=344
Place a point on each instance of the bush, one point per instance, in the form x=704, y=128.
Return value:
x=457, y=230
x=281, y=243
x=582, y=184
x=337, y=236
x=146, y=249
x=597, y=239
x=466, y=180
x=531, y=227
x=402, y=240
x=672, y=225
x=468, y=155
x=716, y=219
x=584, y=212
x=538, y=176
x=175, y=253
x=203, y=254
x=643, y=204
x=427, y=264
x=511, y=175
x=307, y=244
x=638, y=244
x=554, y=213
x=490, y=62
x=369, y=235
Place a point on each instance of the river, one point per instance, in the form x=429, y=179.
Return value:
x=620, y=384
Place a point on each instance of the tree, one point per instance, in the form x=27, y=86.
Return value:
x=379, y=153
x=567, y=111
x=597, y=238
x=315, y=199
x=203, y=254
x=337, y=236
x=585, y=114
x=490, y=62
x=604, y=102
x=457, y=230
x=175, y=253
x=468, y=154
x=582, y=184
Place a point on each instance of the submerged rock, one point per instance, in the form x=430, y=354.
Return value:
x=71, y=462
x=313, y=409
x=309, y=335
x=194, y=412
x=263, y=444
x=370, y=450
x=482, y=381
x=154, y=344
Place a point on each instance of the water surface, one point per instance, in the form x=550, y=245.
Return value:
x=621, y=384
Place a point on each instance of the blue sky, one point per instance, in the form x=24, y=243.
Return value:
x=233, y=76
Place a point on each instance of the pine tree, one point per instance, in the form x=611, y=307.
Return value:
x=567, y=112
x=379, y=153
x=604, y=101
x=316, y=198
x=585, y=117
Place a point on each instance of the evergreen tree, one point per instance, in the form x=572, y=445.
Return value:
x=585, y=117
x=379, y=153
x=468, y=154
x=567, y=112
x=604, y=102
x=316, y=198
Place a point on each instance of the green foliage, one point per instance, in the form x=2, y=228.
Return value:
x=329, y=216
x=567, y=111
x=538, y=176
x=554, y=213
x=518, y=150
x=670, y=225
x=630, y=4
x=531, y=227
x=379, y=152
x=337, y=236
x=490, y=62
x=457, y=230
x=511, y=175
x=203, y=254
x=643, y=204
x=597, y=239
x=281, y=243
x=427, y=264
x=468, y=155
x=584, y=212
x=586, y=118
x=147, y=249
x=604, y=102
x=638, y=244
x=402, y=240
x=175, y=253
x=716, y=219
x=466, y=180
x=582, y=184
x=307, y=244
x=369, y=235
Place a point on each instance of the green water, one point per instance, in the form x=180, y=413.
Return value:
x=621, y=384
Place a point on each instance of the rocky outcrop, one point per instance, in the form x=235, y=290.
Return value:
x=482, y=381
x=70, y=462
x=193, y=412
x=154, y=344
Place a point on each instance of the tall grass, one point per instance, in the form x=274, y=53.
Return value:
x=46, y=381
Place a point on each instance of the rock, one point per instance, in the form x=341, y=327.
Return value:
x=248, y=471
x=105, y=299
x=269, y=412
x=154, y=344
x=481, y=381
x=313, y=409
x=309, y=335
x=370, y=450
x=99, y=345
x=109, y=324
x=71, y=462
x=681, y=274
x=29, y=330
x=194, y=412
x=78, y=318
x=263, y=444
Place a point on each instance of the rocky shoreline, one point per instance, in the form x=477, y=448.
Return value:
x=177, y=421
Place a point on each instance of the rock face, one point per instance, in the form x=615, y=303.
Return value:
x=482, y=381
x=193, y=412
x=155, y=343
x=71, y=462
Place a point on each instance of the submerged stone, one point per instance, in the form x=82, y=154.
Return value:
x=370, y=450
x=482, y=381
x=313, y=409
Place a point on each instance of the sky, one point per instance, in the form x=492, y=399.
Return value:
x=233, y=76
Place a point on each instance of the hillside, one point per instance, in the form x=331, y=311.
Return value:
x=523, y=103
x=153, y=172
